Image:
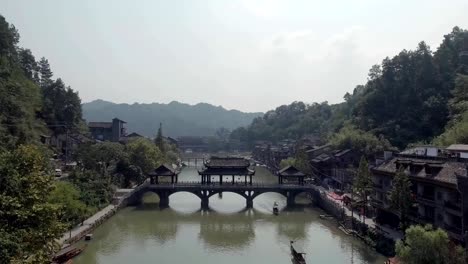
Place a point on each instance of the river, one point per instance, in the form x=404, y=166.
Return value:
x=226, y=234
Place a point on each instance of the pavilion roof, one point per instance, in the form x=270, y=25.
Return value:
x=290, y=171
x=226, y=171
x=164, y=170
x=227, y=162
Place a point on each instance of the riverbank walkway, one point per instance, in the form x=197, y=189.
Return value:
x=89, y=223
x=370, y=222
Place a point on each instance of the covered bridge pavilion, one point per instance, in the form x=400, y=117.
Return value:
x=226, y=166
x=291, y=174
x=164, y=170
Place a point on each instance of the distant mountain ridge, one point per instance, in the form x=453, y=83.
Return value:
x=178, y=119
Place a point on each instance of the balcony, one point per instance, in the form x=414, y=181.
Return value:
x=426, y=199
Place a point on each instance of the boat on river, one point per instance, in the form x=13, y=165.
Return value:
x=298, y=257
x=275, y=208
x=67, y=253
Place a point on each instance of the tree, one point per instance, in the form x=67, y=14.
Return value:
x=45, y=73
x=362, y=184
x=287, y=162
x=29, y=65
x=401, y=198
x=100, y=156
x=95, y=187
x=61, y=105
x=361, y=142
x=67, y=197
x=159, y=140
x=29, y=223
x=424, y=245
x=19, y=97
x=144, y=154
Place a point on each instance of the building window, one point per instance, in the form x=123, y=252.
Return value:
x=439, y=196
x=440, y=217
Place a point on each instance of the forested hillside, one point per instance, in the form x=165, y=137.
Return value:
x=36, y=209
x=179, y=119
x=416, y=96
x=31, y=101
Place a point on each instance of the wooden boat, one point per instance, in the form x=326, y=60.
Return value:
x=68, y=253
x=298, y=257
x=275, y=208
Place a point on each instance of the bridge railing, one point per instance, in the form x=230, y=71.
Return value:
x=228, y=185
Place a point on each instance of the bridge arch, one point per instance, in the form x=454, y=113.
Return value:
x=148, y=196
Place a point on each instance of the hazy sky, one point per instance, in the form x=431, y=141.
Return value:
x=252, y=55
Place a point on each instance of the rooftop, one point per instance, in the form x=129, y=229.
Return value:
x=100, y=124
x=446, y=171
x=458, y=147
x=164, y=170
x=291, y=171
x=227, y=162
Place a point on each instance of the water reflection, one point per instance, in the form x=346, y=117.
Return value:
x=183, y=233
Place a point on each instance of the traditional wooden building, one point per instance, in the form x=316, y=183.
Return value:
x=108, y=131
x=291, y=174
x=439, y=187
x=226, y=166
x=165, y=171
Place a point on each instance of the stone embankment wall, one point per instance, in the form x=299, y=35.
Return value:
x=120, y=200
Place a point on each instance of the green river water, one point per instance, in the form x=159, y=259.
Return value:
x=225, y=234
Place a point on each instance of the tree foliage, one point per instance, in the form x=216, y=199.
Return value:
x=410, y=97
x=401, y=198
x=144, y=154
x=29, y=98
x=67, y=197
x=362, y=182
x=159, y=140
x=362, y=142
x=424, y=245
x=29, y=223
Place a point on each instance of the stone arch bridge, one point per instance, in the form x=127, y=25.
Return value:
x=205, y=191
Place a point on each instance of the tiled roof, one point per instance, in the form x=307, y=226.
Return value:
x=100, y=124
x=291, y=171
x=164, y=170
x=447, y=173
x=227, y=162
x=458, y=147
x=226, y=171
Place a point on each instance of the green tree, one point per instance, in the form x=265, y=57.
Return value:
x=144, y=154
x=459, y=101
x=45, y=73
x=287, y=162
x=159, y=140
x=424, y=245
x=19, y=96
x=362, y=183
x=101, y=156
x=67, y=197
x=401, y=198
x=302, y=162
x=456, y=133
x=29, y=223
x=95, y=187
x=361, y=142
x=61, y=105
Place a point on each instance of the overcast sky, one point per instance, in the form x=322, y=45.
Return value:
x=251, y=55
